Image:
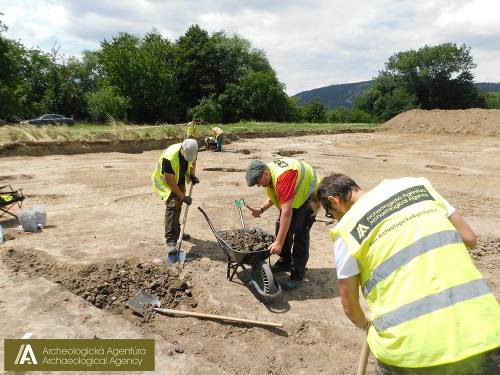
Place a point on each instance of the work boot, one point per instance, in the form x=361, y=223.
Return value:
x=280, y=267
x=185, y=237
x=291, y=284
x=171, y=247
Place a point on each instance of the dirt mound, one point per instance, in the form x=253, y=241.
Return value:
x=108, y=286
x=470, y=121
x=247, y=240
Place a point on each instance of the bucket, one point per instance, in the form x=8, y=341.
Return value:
x=27, y=220
x=40, y=213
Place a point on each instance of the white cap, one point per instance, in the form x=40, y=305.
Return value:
x=190, y=149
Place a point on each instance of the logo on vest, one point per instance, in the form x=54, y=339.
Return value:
x=25, y=355
x=362, y=229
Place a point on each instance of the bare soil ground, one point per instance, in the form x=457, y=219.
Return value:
x=104, y=241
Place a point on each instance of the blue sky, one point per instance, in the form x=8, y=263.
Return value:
x=310, y=44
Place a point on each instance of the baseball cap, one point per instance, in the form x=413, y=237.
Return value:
x=190, y=148
x=255, y=170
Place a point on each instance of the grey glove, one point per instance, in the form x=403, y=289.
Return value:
x=187, y=199
x=194, y=179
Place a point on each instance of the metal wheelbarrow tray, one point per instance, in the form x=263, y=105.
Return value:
x=261, y=276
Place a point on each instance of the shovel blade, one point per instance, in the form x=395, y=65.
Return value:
x=140, y=299
x=175, y=257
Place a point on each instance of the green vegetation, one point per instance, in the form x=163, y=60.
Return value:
x=150, y=79
x=493, y=100
x=437, y=77
x=344, y=95
x=120, y=131
x=217, y=78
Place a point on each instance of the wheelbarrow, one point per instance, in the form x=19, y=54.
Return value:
x=260, y=274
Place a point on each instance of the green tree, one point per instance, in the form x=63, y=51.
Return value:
x=338, y=115
x=259, y=96
x=315, y=111
x=235, y=57
x=8, y=82
x=142, y=70
x=436, y=77
x=209, y=66
x=493, y=100
x=208, y=110
x=63, y=93
x=106, y=102
x=195, y=67
x=25, y=80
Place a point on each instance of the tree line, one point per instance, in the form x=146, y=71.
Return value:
x=217, y=78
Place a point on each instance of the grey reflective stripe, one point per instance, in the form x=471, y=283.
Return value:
x=162, y=178
x=302, y=175
x=158, y=185
x=313, y=184
x=409, y=253
x=432, y=303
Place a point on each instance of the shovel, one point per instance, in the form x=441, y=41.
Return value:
x=363, y=360
x=326, y=221
x=178, y=255
x=142, y=297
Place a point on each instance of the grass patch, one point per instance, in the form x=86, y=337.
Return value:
x=120, y=131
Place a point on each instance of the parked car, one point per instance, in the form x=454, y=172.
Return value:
x=50, y=119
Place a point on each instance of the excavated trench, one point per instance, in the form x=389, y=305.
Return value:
x=109, y=286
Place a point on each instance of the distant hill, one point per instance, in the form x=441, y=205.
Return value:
x=344, y=94
x=488, y=86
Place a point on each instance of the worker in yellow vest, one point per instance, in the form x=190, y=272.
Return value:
x=289, y=184
x=191, y=129
x=219, y=136
x=176, y=165
x=431, y=310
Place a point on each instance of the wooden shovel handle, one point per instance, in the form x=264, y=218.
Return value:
x=185, y=217
x=210, y=316
x=363, y=360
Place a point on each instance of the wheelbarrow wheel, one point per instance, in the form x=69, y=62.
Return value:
x=263, y=276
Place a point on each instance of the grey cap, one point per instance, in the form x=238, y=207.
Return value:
x=255, y=170
x=190, y=148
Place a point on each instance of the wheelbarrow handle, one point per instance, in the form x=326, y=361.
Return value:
x=208, y=220
x=210, y=316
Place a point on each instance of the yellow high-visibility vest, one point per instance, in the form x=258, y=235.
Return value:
x=191, y=129
x=159, y=182
x=217, y=131
x=430, y=305
x=307, y=180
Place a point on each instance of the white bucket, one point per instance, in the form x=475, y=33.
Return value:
x=27, y=220
x=40, y=212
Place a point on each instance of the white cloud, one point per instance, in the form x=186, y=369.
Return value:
x=310, y=44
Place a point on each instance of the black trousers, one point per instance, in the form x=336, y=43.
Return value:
x=295, y=250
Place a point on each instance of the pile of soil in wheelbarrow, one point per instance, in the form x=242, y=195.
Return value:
x=247, y=239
